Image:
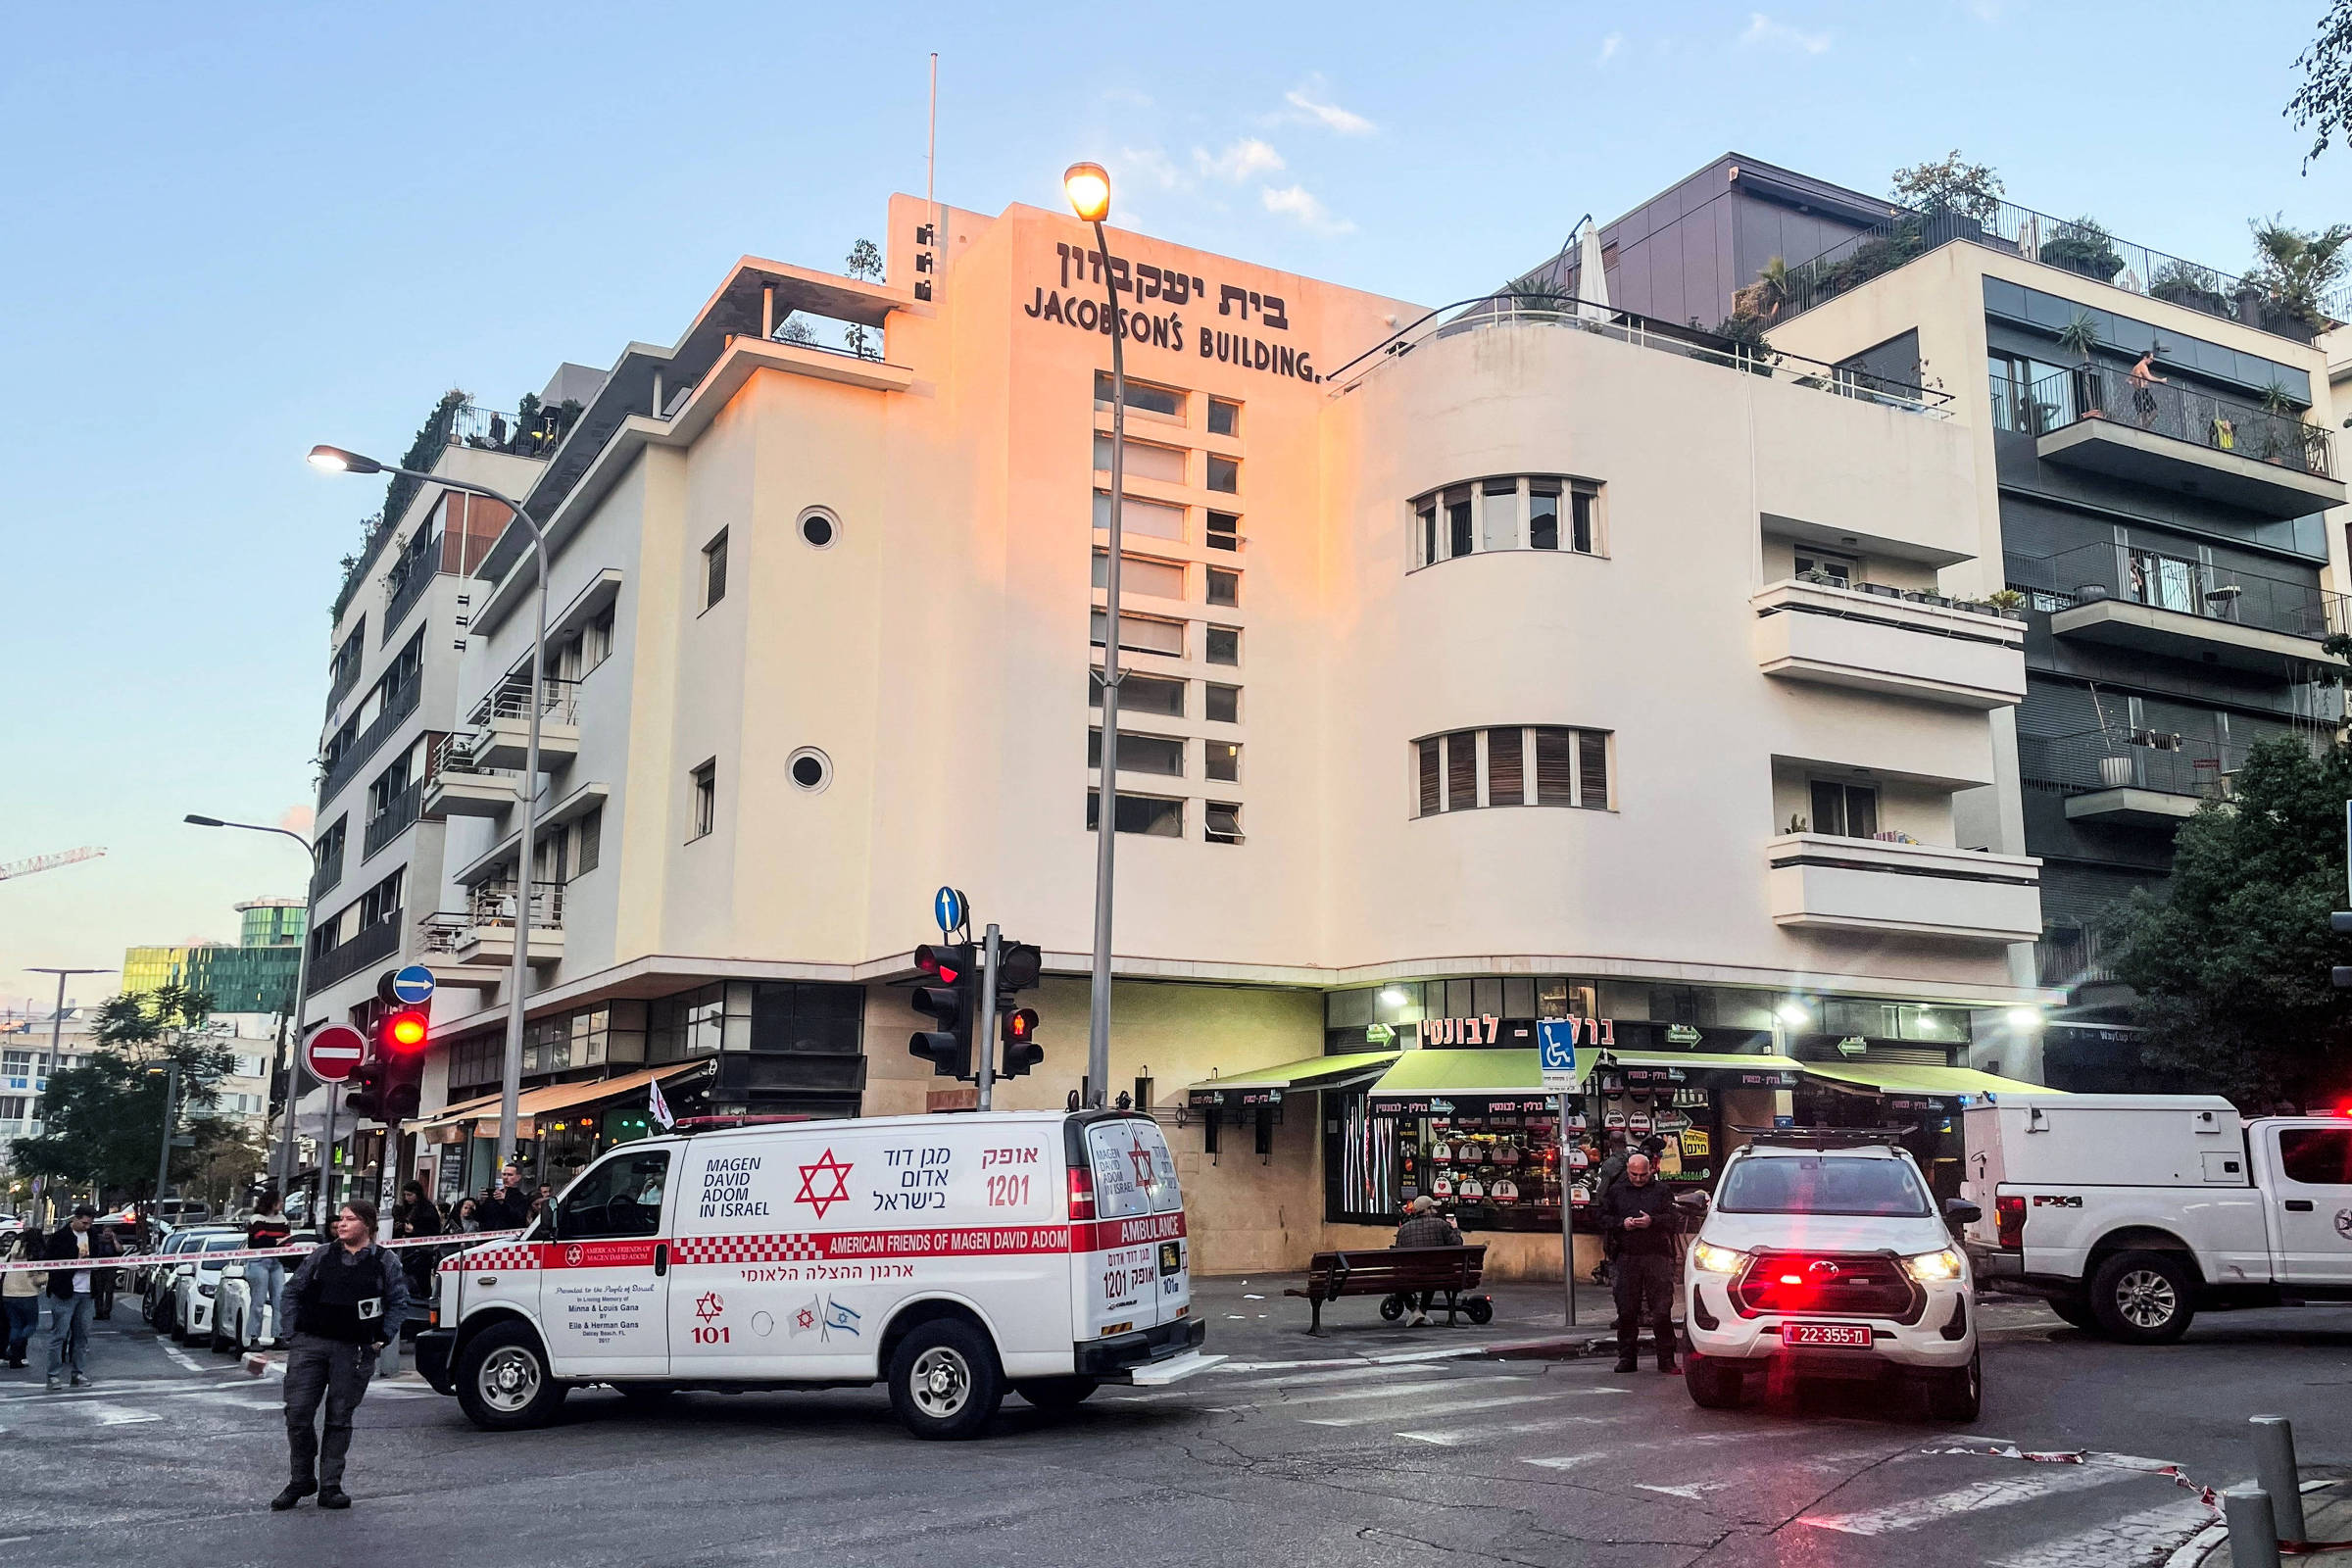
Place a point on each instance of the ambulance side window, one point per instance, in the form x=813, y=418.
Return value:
x=621, y=1198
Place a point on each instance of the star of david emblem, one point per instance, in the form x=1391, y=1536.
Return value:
x=805, y=1319
x=708, y=1306
x=1141, y=1158
x=810, y=1177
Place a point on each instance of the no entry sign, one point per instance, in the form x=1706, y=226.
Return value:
x=333, y=1054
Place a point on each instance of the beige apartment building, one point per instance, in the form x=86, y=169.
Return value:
x=1483, y=669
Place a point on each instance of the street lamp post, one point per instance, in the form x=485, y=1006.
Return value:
x=57, y=1030
x=163, y=1161
x=1087, y=187
x=302, y=975
x=338, y=460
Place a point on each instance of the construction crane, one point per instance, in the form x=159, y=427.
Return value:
x=43, y=862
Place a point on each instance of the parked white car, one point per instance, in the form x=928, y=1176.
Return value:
x=1825, y=1256
x=239, y=1323
x=196, y=1285
x=159, y=1276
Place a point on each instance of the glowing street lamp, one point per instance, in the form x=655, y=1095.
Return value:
x=1087, y=187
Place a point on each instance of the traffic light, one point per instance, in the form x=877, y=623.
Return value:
x=391, y=1081
x=1018, y=971
x=950, y=1002
x=1021, y=1049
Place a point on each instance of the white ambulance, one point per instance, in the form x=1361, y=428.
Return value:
x=949, y=1256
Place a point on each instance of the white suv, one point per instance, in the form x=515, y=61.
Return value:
x=1823, y=1256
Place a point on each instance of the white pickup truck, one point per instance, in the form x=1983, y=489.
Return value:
x=2130, y=1213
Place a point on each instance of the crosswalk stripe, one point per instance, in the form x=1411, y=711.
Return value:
x=1406, y=1390
x=1435, y=1409
x=2139, y=1537
x=1462, y=1434
x=2001, y=1493
x=117, y=1415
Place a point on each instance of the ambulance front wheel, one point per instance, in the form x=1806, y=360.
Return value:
x=945, y=1381
x=504, y=1383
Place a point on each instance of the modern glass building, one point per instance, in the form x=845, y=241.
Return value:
x=256, y=976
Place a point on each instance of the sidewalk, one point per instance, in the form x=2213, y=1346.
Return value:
x=2326, y=1516
x=1250, y=1319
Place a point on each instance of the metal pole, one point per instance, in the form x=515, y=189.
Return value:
x=1567, y=1217
x=985, y=1041
x=509, y=1088
x=162, y=1163
x=2253, y=1536
x=2275, y=1473
x=327, y=1170
x=294, y=1070
x=1106, y=809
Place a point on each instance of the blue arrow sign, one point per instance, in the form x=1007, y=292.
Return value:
x=413, y=984
x=947, y=909
x=1556, y=1047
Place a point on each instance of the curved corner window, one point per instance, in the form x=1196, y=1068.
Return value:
x=1509, y=511
x=1515, y=764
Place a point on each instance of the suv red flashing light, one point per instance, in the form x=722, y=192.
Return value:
x=2009, y=1215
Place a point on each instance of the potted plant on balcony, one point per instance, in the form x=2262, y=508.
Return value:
x=2080, y=336
x=2007, y=602
x=2187, y=283
x=2083, y=246
x=2293, y=273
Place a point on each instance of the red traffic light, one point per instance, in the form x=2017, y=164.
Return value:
x=403, y=1033
x=1020, y=1027
x=947, y=963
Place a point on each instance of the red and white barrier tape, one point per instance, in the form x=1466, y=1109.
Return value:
x=121, y=1260
x=2207, y=1495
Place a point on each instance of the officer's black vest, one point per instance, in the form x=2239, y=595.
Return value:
x=345, y=1300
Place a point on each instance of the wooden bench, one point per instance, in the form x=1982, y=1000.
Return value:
x=1391, y=1271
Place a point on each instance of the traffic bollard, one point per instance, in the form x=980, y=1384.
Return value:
x=2253, y=1537
x=2275, y=1473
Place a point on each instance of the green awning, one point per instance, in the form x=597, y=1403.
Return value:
x=1712, y=1061
x=1903, y=1078
x=1265, y=1085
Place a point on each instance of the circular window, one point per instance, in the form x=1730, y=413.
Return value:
x=820, y=528
x=811, y=768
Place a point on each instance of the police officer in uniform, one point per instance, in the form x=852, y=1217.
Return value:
x=344, y=1302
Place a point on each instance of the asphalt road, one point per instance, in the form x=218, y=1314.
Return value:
x=173, y=1453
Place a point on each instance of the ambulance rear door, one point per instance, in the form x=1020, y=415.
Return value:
x=1136, y=1267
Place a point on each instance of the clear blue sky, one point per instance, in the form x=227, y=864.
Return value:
x=236, y=230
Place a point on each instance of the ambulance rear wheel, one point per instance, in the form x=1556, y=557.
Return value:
x=1056, y=1395
x=945, y=1381
x=503, y=1380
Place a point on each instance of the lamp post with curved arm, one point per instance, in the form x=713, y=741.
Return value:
x=1087, y=187
x=302, y=975
x=338, y=460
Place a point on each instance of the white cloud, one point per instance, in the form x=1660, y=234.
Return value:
x=1238, y=162
x=1610, y=45
x=298, y=819
x=1331, y=115
x=1150, y=166
x=1763, y=30
x=1295, y=201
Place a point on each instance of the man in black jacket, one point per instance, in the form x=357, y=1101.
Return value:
x=73, y=1294
x=508, y=1207
x=1639, y=1212
x=347, y=1299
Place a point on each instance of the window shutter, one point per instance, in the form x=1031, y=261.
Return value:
x=1433, y=799
x=1554, y=768
x=1592, y=770
x=1503, y=768
x=1461, y=770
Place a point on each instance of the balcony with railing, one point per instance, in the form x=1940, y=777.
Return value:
x=1889, y=885
x=328, y=873
x=372, y=945
x=1822, y=628
x=408, y=581
x=500, y=737
x=1562, y=312
x=2127, y=596
x=455, y=785
x=400, y=701
x=2266, y=458
x=475, y=946
x=396, y=818
x=2136, y=777
x=2079, y=246
x=2071, y=955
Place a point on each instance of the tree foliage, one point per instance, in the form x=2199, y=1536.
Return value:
x=2296, y=269
x=105, y=1117
x=1951, y=186
x=2233, y=962
x=2322, y=105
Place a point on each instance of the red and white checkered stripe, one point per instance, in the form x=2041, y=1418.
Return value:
x=525, y=1256
x=790, y=1247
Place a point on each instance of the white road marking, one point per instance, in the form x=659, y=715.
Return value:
x=1435, y=1409
x=1561, y=1462
x=2143, y=1537
x=1397, y=1391
x=2047, y=1481
x=116, y=1415
x=1461, y=1435
x=181, y=1357
x=1693, y=1492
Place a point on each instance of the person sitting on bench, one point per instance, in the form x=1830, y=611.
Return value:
x=1424, y=1226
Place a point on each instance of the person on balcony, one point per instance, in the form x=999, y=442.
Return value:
x=2144, y=382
